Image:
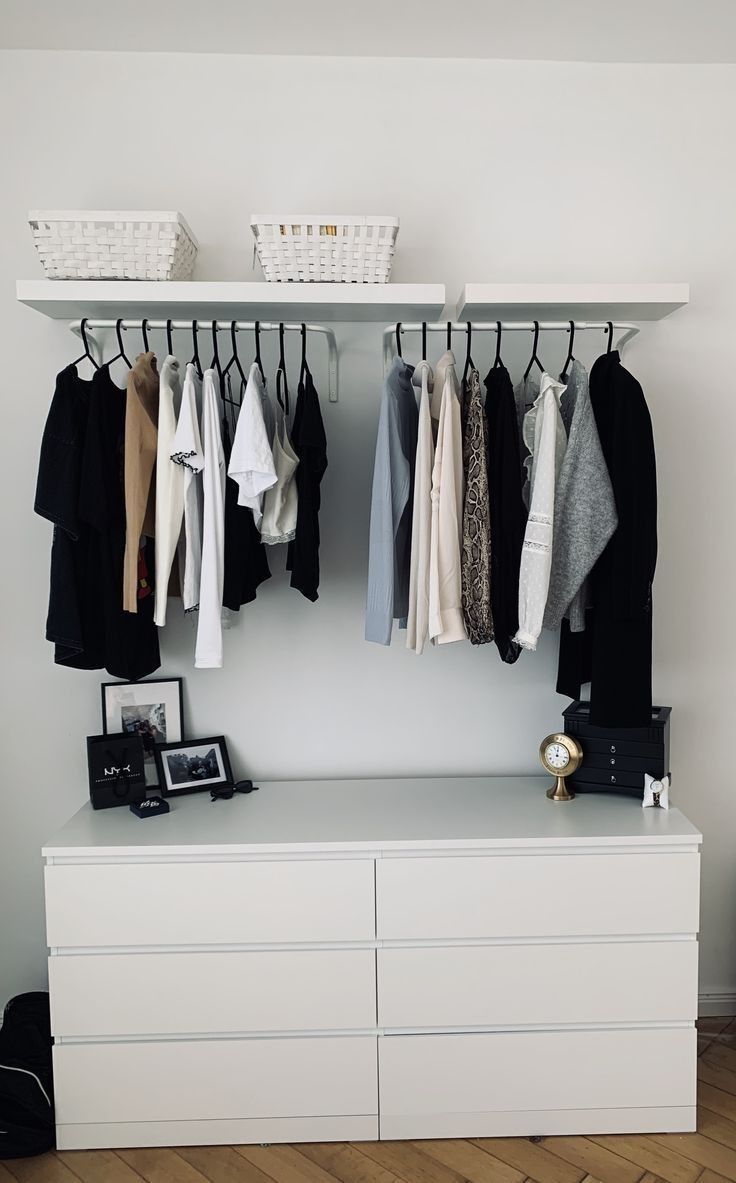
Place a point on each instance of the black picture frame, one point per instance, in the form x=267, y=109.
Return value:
x=113, y=721
x=171, y=779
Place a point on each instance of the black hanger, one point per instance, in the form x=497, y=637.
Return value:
x=87, y=355
x=169, y=342
x=449, y=334
x=257, y=359
x=570, y=356
x=609, y=330
x=215, y=363
x=424, y=340
x=281, y=374
x=235, y=360
x=195, y=356
x=534, y=357
x=468, y=359
x=398, y=338
x=305, y=364
x=119, y=329
x=144, y=334
x=497, y=361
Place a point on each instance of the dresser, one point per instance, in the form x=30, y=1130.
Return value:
x=353, y=960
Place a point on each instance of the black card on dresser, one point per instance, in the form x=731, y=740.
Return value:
x=117, y=773
x=616, y=759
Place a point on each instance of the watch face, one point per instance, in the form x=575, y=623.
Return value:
x=557, y=755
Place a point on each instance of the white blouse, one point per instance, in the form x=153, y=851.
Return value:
x=169, y=484
x=251, y=460
x=208, y=651
x=418, y=619
x=280, y=502
x=446, y=622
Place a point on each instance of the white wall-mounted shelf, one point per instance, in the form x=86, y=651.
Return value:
x=72, y=299
x=581, y=301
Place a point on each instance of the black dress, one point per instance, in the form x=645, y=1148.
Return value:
x=309, y=441
x=129, y=640
x=508, y=512
x=246, y=563
x=614, y=653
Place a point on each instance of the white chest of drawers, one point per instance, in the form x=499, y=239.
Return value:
x=349, y=960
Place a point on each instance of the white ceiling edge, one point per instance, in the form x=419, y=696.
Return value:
x=636, y=31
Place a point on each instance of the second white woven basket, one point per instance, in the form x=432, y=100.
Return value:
x=325, y=248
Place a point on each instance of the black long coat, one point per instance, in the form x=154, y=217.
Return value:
x=614, y=653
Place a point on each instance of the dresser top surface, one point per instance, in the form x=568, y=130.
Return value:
x=291, y=817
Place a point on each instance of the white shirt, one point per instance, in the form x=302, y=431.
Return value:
x=187, y=451
x=280, y=502
x=446, y=622
x=169, y=484
x=536, y=554
x=251, y=461
x=208, y=651
x=418, y=619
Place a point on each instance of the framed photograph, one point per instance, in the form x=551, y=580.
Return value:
x=192, y=766
x=152, y=710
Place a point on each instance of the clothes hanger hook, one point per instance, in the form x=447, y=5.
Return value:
x=499, y=330
x=609, y=330
x=281, y=374
x=119, y=330
x=195, y=356
x=449, y=334
x=534, y=357
x=468, y=358
x=424, y=340
x=259, y=363
x=305, y=366
x=398, y=338
x=570, y=356
x=169, y=340
x=144, y=334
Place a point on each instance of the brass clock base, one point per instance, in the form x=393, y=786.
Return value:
x=560, y=791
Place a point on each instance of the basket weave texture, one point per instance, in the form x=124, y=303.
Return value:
x=325, y=248
x=79, y=244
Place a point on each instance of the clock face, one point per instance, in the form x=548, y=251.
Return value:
x=557, y=755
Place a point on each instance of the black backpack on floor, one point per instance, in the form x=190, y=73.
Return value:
x=26, y=1082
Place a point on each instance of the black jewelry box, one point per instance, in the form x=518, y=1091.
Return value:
x=615, y=759
x=116, y=770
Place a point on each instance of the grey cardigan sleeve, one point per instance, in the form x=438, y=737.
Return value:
x=388, y=499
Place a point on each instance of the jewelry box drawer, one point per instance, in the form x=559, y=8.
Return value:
x=499, y=985
x=146, y=994
x=137, y=904
x=443, y=1086
x=608, y=776
x=653, y=765
x=537, y=895
x=642, y=752
x=206, y=1080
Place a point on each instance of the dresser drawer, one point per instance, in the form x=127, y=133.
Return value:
x=144, y=994
x=428, y=1079
x=537, y=895
x=523, y=985
x=209, y=903
x=220, y=1079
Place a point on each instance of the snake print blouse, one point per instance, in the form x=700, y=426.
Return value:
x=476, y=547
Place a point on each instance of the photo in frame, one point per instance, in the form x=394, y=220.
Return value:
x=192, y=767
x=151, y=710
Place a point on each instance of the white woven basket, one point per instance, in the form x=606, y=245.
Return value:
x=113, y=244
x=325, y=248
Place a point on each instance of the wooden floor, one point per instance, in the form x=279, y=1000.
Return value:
x=708, y=1156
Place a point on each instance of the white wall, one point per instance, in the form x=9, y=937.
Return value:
x=499, y=171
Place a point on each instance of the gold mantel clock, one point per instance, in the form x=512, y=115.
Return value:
x=561, y=755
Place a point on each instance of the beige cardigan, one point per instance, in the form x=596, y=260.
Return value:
x=141, y=438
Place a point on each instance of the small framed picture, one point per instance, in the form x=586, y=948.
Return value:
x=152, y=710
x=192, y=766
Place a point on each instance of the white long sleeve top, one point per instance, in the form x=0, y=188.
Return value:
x=536, y=554
x=417, y=628
x=445, y=581
x=169, y=484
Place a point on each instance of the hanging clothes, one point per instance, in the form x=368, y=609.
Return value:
x=614, y=653
x=309, y=442
x=169, y=485
x=418, y=616
x=389, y=553
x=246, y=562
x=129, y=639
x=251, y=462
x=280, y=502
x=476, y=548
x=585, y=508
x=445, y=580
x=526, y=393
x=543, y=431
x=141, y=430
x=508, y=512
x=187, y=452
x=208, y=650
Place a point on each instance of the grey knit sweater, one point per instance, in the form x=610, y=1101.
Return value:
x=585, y=510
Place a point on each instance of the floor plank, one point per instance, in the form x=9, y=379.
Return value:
x=722, y=1056
x=409, y=1163
x=595, y=1160
x=470, y=1161
x=221, y=1164
x=651, y=1157
x=712, y=1026
x=716, y=1100
x=285, y=1164
x=160, y=1164
x=346, y=1163
x=717, y=1128
x=45, y=1168
x=96, y=1166
x=532, y=1159
x=702, y=1150
x=720, y=1078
